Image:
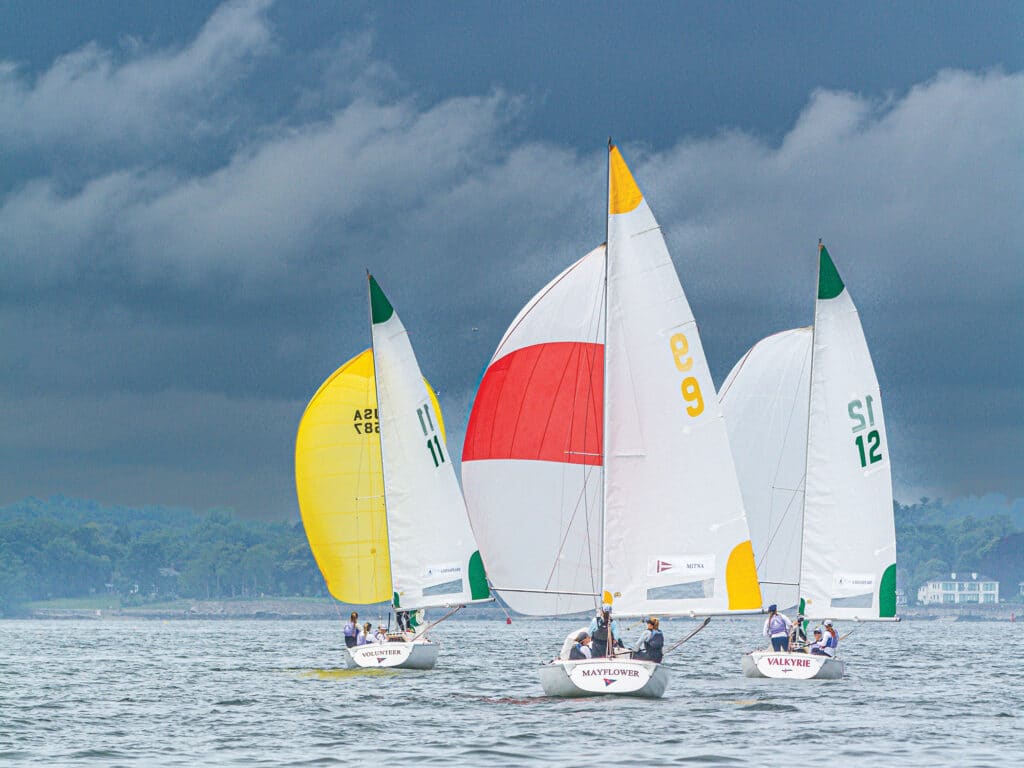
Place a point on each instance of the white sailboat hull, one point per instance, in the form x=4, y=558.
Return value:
x=782, y=665
x=418, y=654
x=604, y=677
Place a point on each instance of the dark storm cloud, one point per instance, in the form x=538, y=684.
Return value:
x=166, y=321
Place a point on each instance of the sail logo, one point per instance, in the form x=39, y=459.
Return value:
x=694, y=566
x=446, y=570
x=608, y=681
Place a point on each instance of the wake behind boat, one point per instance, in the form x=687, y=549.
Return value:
x=596, y=464
x=806, y=426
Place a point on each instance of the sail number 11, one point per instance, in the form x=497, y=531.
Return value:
x=430, y=432
x=689, y=387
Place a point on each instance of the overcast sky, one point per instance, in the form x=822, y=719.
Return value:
x=190, y=194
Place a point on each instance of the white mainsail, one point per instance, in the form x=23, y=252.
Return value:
x=764, y=400
x=807, y=430
x=586, y=474
x=434, y=560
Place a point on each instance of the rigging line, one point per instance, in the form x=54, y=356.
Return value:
x=536, y=301
x=568, y=528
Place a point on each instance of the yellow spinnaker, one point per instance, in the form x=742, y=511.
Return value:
x=340, y=483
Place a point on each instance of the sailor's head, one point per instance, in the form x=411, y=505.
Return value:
x=828, y=623
x=582, y=637
x=606, y=608
x=773, y=608
x=817, y=630
x=354, y=616
x=366, y=626
x=652, y=622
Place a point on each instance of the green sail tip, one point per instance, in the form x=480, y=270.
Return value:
x=380, y=308
x=830, y=284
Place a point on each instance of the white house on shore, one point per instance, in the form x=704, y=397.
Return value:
x=969, y=588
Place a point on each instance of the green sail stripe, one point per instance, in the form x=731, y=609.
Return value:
x=478, y=588
x=830, y=284
x=380, y=308
x=887, y=593
x=395, y=601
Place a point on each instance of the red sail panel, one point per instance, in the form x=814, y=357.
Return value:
x=543, y=402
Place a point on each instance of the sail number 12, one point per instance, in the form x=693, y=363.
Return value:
x=430, y=432
x=689, y=387
x=870, y=450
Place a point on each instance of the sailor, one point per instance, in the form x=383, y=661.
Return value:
x=831, y=637
x=797, y=635
x=651, y=642
x=600, y=627
x=819, y=646
x=581, y=648
x=364, y=635
x=381, y=636
x=351, y=630
x=402, y=617
x=777, y=627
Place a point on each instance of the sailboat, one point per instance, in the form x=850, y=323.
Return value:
x=807, y=430
x=596, y=464
x=379, y=499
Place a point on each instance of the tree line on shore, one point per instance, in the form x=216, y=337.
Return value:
x=68, y=548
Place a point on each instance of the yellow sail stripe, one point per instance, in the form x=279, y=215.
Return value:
x=741, y=579
x=623, y=193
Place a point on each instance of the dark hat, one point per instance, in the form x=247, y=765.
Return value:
x=773, y=608
x=817, y=630
x=581, y=637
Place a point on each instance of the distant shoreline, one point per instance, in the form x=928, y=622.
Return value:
x=307, y=609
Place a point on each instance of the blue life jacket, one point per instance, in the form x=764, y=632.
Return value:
x=654, y=645
x=575, y=654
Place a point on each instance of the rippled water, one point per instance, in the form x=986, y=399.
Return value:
x=276, y=693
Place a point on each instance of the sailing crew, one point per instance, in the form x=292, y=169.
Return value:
x=777, y=627
x=600, y=627
x=820, y=646
x=651, y=642
x=351, y=630
x=581, y=648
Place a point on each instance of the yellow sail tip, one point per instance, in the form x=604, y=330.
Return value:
x=623, y=193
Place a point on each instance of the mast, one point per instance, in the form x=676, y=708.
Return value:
x=380, y=443
x=604, y=376
x=807, y=441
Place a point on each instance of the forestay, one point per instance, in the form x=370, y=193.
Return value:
x=764, y=400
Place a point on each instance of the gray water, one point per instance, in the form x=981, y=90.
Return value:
x=110, y=693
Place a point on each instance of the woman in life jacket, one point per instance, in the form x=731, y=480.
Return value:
x=603, y=629
x=651, y=642
x=581, y=648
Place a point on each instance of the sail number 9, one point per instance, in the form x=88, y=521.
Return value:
x=870, y=449
x=689, y=387
x=430, y=432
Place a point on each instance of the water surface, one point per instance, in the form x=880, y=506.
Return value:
x=103, y=693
